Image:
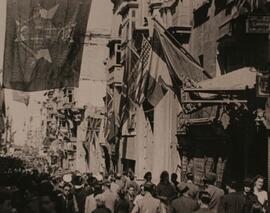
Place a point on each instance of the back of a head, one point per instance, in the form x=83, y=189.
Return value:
x=100, y=200
x=174, y=176
x=131, y=177
x=205, y=197
x=147, y=176
x=121, y=193
x=164, y=176
x=233, y=185
x=210, y=179
x=189, y=176
x=148, y=187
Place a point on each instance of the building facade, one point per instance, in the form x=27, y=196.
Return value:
x=223, y=36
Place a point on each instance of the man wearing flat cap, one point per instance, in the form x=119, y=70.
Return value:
x=184, y=204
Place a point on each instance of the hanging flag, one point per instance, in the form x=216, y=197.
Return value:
x=183, y=69
x=129, y=88
x=44, y=43
x=112, y=124
x=158, y=79
x=21, y=97
x=143, y=71
x=93, y=130
x=171, y=59
x=125, y=102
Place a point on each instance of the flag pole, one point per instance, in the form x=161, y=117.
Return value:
x=181, y=47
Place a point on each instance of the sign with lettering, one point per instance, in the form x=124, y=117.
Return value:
x=258, y=24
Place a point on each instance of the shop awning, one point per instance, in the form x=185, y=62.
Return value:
x=241, y=79
x=230, y=87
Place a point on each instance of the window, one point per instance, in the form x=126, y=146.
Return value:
x=118, y=54
x=201, y=60
x=133, y=13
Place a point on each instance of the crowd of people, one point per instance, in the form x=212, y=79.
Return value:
x=29, y=191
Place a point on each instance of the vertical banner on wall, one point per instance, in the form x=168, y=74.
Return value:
x=199, y=168
x=209, y=164
x=184, y=166
x=220, y=171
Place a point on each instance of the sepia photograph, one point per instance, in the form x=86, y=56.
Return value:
x=134, y=106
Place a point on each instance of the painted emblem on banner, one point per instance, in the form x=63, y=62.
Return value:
x=36, y=34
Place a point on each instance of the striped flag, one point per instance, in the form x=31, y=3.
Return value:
x=158, y=79
x=143, y=71
x=165, y=65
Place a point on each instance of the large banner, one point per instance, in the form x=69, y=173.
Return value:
x=44, y=43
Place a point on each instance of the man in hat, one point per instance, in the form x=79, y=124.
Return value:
x=215, y=192
x=193, y=189
x=148, y=204
x=204, y=200
x=79, y=193
x=184, y=204
x=233, y=202
x=108, y=195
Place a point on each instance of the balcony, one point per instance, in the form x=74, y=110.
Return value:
x=138, y=34
x=153, y=4
x=115, y=76
x=181, y=33
x=244, y=26
x=126, y=5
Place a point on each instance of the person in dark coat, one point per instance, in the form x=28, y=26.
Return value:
x=174, y=180
x=183, y=204
x=148, y=180
x=251, y=200
x=233, y=202
x=80, y=194
x=165, y=190
x=121, y=204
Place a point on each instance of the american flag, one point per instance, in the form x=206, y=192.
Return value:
x=145, y=54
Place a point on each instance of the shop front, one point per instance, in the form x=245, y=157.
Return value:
x=226, y=137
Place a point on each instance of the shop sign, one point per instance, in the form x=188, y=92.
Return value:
x=258, y=24
x=263, y=84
